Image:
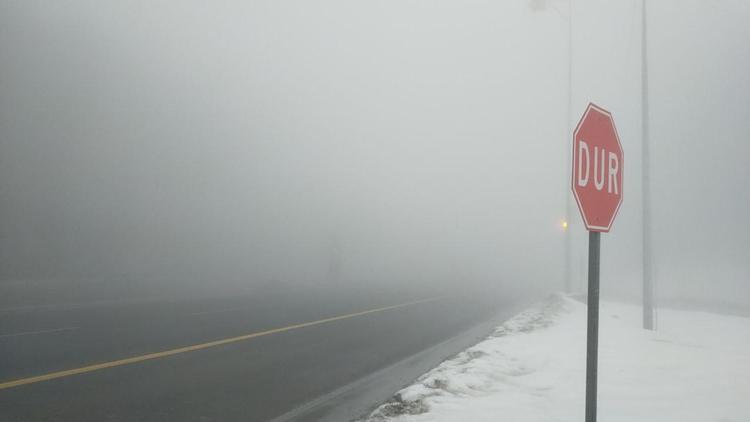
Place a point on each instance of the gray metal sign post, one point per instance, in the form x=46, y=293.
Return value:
x=598, y=205
x=592, y=331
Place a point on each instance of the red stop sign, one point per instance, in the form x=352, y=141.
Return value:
x=597, y=168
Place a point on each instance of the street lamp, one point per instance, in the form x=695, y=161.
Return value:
x=538, y=5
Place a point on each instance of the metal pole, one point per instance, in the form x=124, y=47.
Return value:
x=648, y=289
x=568, y=233
x=592, y=333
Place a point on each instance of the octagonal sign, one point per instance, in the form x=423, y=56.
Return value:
x=597, y=168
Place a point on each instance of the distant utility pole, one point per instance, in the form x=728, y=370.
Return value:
x=537, y=5
x=648, y=288
x=569, y=130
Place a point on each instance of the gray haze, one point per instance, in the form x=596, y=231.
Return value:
x=377, y=144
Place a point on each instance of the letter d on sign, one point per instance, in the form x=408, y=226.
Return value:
x=583, y=148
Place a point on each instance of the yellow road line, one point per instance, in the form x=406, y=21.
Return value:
x=165, y=353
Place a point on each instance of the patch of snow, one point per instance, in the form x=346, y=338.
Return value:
x=532, y=368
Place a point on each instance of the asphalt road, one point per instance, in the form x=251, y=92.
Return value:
x=248, y=357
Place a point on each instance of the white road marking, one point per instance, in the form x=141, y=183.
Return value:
x=28, y=333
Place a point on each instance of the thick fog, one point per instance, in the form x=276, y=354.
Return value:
x=398, y=144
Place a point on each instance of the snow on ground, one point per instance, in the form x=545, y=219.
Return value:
x=696, y=367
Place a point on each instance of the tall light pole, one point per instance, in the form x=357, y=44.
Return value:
x=648, y=288
x=537, y=5
x=568, y=134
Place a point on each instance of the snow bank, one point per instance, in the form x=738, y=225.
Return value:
x=695, y=368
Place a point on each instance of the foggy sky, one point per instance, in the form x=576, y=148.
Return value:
x=417, y=143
